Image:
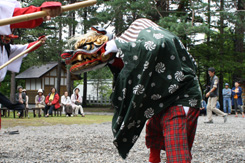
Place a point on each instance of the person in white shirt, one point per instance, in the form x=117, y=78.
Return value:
x=76, y=101
x=66, y=102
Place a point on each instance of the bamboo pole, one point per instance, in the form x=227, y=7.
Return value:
x=20, y=55
x=40, y=14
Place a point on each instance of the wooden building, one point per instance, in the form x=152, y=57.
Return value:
x=44, y=77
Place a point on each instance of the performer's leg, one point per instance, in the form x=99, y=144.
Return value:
x=6, y=102
x=154, y=137
x=209, y=110
x=176, y=135
x=154, y=155
x=214, y=109
x=192, y=118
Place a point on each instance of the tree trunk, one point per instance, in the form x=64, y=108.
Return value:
x=59, y=59
x=69, y=83
x=85, y=89
x=221, y=78
x=13, y=87
x=239, y=35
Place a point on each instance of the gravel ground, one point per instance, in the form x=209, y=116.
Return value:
x=214, y=143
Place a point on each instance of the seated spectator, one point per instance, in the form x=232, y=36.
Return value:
x=76, y=101
x=52, y=102
x=20, y=97
x=66, y=102
x=27, y=101
x=39, y=101
x=203, y=109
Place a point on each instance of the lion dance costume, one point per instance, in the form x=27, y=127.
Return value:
x=156, y=81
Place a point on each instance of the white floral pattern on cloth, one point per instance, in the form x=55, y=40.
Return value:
x=125, y=140
x=179, y=76
x=183, y=58
x=122, y=126
x=181, y=44
x=124, y=92
x=135, y=57
x=161, y=105
x=130, y=125
x=150, y=74
x=163, y=45
x=156, y=97
x=172, y=57
x=121, y=40
x=129, y=82
x=172, y=88
x=193, y=102
x=149, y=113
x=120, y=53
x=133, y=44
x=120, y=98
x=158, y=35
x=153, y=84
x=139, y=76
x=115, y=143
x=146, y=65
x=155, y=28
x=150, y=45
x=119, y=120
x=138, y=89
x=134, y=104
x=169, y=77
x=134, y=138
x=186, y=95
x=160, y=67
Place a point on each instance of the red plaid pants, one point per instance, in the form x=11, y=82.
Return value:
x=174, y=132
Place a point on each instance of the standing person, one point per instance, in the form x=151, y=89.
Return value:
x=52, y=102
x=20, y=97
x=77, y=102
x=27, y=101
x=39, y=102
x=66, y=102
x=212, y=96
x=237, y=98
x=226, y=92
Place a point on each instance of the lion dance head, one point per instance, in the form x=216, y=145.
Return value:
x=88, y=53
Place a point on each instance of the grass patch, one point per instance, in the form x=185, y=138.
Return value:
x=89, y=119
x=98, y=109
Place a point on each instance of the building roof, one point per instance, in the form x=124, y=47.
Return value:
x=36, y=71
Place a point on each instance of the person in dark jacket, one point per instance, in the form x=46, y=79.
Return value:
x=237, y=98
x=52, y=102
x=20, y=97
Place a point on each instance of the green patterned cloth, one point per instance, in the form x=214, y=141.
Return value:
x=158, y=73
